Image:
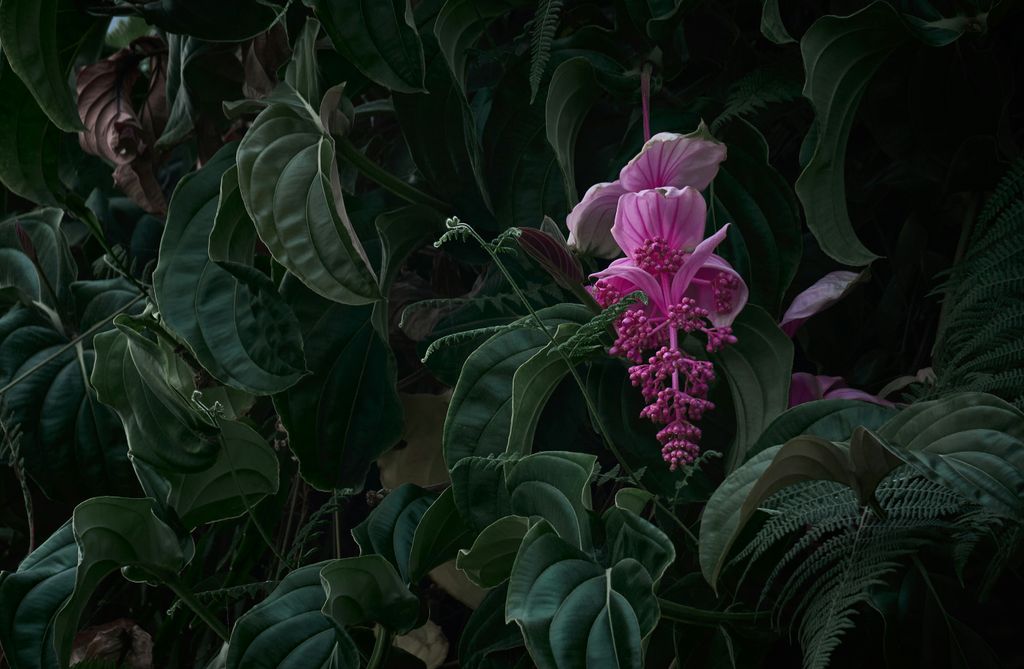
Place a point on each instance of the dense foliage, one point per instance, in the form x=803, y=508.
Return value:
x=498, y=334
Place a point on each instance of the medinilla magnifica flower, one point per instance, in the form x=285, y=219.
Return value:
x=667, y=159
x=690, y=290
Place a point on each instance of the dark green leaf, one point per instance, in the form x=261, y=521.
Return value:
x=486, y=630
x=29, y=143
x=31, y=596
x=379, y=38
x=572, y=92
x=366, y=589
x=346, y=413
x=390, y=528
x=223, y=21
x=488, y=562
x=234, y=322
x=439, y=536
x=532, y=385
x=556, y=487
x=834, y=420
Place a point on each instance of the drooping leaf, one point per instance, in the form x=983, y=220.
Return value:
x=555, y=485
x=841, y=55
x=35, y=36
x=488, y=562
x=575, y=613
x=480, y=413
x=346, y=413
x=758, y=369
x=241, y=331
x=302, y=219
x=367, y=589
x=112, y=533
x=379, y=38
x=478, y=486
x=30, y=598
x=572, y=92
x=439, y=536
x=245, y=471
x=287, y=629
x=302, y=73
x=145, y=384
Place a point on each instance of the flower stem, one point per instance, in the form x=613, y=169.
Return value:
x=384, y=178
x=645, y=99
x=185, y=595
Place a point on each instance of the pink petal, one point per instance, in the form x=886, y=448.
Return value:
x=590, y=221
x=625, y=277
x=675, y=215
x=825, y=292
x=671, y=159
x=696, y=260
x=854, y=394
x=803, y=388
x=701, y=290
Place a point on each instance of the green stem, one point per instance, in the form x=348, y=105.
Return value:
x=681, y=613
x=384, y=178
x=185, y=595
x=591, y=407
x=381, y=645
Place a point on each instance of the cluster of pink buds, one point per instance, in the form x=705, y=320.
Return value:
x=659, y=218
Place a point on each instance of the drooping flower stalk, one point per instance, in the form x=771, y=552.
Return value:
x=645, y=99
x=691, y=291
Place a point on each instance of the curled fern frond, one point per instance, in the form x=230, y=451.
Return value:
x=545, y=23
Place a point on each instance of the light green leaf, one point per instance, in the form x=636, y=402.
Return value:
x=30, y=598
x=232, y=319
x=287, y=629
x=758, y=368
x=343, y=415
x=575, y=613
x=288, y=179
x=112, y=533
x=379, y=38
x=841, y=55
x=488, y=562
x=367, y=589
x=572, y=92
x=40, y=39
x=149, y=388
x=439, y=536
x=245, y=471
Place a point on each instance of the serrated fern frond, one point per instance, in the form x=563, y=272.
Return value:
x=978, y=345
x=545, y=23
x=757, y=90
x=587, y=339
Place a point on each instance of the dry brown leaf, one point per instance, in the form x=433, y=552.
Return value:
x=426, y=642
x=121, y=641
x=457, y=584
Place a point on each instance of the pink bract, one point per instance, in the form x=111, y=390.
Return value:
x=667, y=160
x=806, y=387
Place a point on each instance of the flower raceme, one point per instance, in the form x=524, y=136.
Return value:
x=690, y=290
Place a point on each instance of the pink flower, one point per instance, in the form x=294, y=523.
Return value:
x=666, y=160
x=825, y=292
x=806, y=387
x=690, y=291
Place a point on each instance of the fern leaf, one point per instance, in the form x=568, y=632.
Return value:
x=756, y=91
x=545, y=23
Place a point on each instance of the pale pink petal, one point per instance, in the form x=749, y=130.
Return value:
x=804, y=387
x=825, y=292
x=626, y=277
x=696, y=260
x=702, y=290
x=674, y=215
x=671, y=159
x=854, y=394
x=590, y=221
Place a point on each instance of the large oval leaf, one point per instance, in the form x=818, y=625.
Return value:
x=31, y=596
x=575, y=613
x=29, y=143
x=288, y=180
x=347, y=412
x=241, y=331
x=834, y=420
x=286, y=630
